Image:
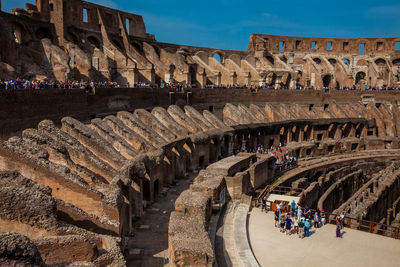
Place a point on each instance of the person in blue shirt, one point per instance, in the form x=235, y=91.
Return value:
x=307, y=228
x=288, y=225
x=293, y=208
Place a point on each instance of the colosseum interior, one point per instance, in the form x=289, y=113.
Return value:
x=160, y=177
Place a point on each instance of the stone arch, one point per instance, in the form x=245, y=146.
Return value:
x=44, y=33
x=94, y=41
x=332, y=61
x=360, y=76
x=380, y=62
x=346, y=61
x=218, y=56
x=202, y=55
x=396, y=62
x=235, y=58
x=317, y=60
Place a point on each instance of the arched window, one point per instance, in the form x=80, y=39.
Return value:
x=218, y=57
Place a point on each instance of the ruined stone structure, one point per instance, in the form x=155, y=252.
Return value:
x=81, y=169
x=67, y=40
x=79, y=186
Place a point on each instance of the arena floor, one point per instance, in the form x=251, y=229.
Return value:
x=322, y=248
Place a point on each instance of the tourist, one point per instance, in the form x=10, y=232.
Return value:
x=288, y=225
x=279, y=207
x=301, y=227
x=264, y=204
x=338, y=227
x=299, y=211
x=316, y=220
x=323, y=217
x=342, y=219
x=296, y=226
x=283, y=223
x=307, y=226
x=276, y=218
x=293, y=208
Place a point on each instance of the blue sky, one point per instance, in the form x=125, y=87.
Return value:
x=228, y=24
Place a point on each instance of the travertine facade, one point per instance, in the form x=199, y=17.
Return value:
x=66, y=40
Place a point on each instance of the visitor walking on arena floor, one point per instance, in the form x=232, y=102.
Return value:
x=293, y=208
x=264, y=204
x=307, y=226
x=299, y=212
x=283, y=223
x=301, y=228
x=276, y=218
x=338, y=233
x=288, y=225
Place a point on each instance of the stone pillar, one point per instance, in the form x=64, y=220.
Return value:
x=293, y=84
x=202, y=78
x=312, y=80
x=301, y=135
x=278, y=82
x=249, y=79
x=230, y=148
x=234, y=78
x=289, y=137
x=244, y=141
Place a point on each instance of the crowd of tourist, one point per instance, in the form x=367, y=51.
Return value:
x=35, y=84
x=295, y=220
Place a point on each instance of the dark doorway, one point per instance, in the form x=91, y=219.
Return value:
x=146, y=190
x=156, y=191
x=327, y=80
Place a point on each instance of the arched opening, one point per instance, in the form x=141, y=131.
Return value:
x=360, y=76
x=326, y=80
x=380, y=62
x=218, y=57
x=332, y=61
x=44, y=33
x=94, y=41
x=346, y=61
x=18, y=32
x=396, y=62
x=317, y=60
